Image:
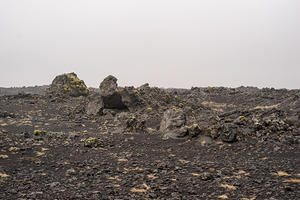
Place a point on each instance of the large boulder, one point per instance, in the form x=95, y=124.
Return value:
x=68, y=85
x=109, y=93
x=108, y=86
x=114, y=97
x=173, y=124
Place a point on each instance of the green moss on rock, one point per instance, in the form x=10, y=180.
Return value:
x=68, y=84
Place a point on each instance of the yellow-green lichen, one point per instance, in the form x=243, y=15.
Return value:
x=92, y=142
x=75, y=83
x=67, y=88
x=36, y=132
x=180, y=105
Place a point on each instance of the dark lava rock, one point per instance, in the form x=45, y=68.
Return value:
x=194, y=130
x=129, y=97
x=229, y=132
x=293, y=121
x=110, y=95
x=68, y=85
x=173, y=124
x=114, y=97
x=109, y=85
x=134, y=124
x=95, y=105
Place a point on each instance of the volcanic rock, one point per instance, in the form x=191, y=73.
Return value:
x=194, y=130
x=129, y=97
x=114, y=97
x=229, y=132
x=109, y=93
x=173, y=124
x=95, y=105
x=135, y=124
x=68, y=85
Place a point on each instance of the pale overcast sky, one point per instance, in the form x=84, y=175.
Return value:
x=168, y=43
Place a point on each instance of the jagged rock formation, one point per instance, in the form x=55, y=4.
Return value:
x=111, y=97
x=116, y=97
x=109, y=93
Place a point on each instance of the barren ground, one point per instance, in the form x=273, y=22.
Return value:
x=55, y=163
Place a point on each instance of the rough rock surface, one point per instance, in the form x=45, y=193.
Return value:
x=112, y=97
x=109, y=93
x=173, y=124
x=229, y=132
x=68, y=85
x=95, y=105
x=129, y=97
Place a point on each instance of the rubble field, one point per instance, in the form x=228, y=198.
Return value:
x=74, y=142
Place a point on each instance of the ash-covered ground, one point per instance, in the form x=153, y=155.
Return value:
x=67, y=142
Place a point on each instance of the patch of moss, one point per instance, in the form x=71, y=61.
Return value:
x=72, y=77
x=242, y=118
x=92, y=142
x=137, y=92
x=180, y=105
x=67, y=88
x=75, y=84
x=36, y=132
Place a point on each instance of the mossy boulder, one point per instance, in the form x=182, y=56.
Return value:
x=68, y=84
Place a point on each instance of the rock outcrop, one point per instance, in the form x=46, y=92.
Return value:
x=110, y=94
x=68, y=85
x=114, y=97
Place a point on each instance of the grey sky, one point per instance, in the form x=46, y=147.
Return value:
x=168, y=43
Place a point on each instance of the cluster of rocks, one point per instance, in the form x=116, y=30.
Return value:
x=4, y=114
x=184, y=114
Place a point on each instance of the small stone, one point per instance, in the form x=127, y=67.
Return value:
x=70, y=172
x=53, y=184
